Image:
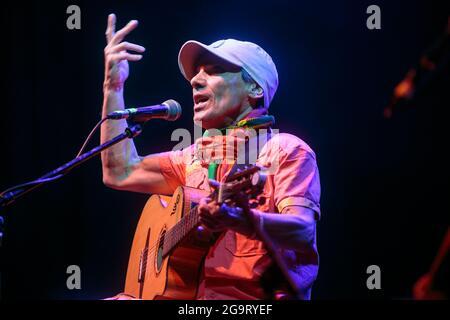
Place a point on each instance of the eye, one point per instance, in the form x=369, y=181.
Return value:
x=215, y=69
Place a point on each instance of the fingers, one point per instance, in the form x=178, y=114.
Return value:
x=116, y=50
x=211, y=222
x=208, y=206
x=113, y=37
x=213, y=183
x=206, y=212
x=203, y=208
x=111, y=28
x=119, y=35
x=124, y=56
x=215, y=217
x=123, y=46
x=204, y=202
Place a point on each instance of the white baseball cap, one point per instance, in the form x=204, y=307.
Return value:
x=246, y=55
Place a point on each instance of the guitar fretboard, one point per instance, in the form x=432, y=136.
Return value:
x=173, y=236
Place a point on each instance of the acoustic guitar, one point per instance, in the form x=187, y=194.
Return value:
x=169, y=245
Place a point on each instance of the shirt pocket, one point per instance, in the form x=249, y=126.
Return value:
x=196, y=179
x=266, y=202
x=240, y=246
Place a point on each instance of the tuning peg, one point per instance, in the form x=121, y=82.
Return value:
x=253, y=204
x=259, y=179
x=261, y=200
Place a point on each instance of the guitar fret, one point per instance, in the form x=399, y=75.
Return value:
x=180, y=230
x=169, y=241
x=194, y=219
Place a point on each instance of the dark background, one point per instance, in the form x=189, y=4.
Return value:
x=383, y=181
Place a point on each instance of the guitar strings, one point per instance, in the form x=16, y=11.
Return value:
x=174, y=234
x=152, y=249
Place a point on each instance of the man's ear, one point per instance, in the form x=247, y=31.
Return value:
x=256, y=92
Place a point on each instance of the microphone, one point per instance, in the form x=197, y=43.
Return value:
x=168, y=110
x=436, y=58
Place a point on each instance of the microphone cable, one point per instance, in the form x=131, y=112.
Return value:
x=83, y=147
x=32, y=184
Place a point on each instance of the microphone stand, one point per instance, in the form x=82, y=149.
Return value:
x=11, y=196
x=434, y=61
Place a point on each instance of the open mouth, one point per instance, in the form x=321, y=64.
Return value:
x=200, y=100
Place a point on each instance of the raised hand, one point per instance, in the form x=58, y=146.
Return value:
x=116, y=55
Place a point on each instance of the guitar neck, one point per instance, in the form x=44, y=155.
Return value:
x=241, y=181
x=180, y=230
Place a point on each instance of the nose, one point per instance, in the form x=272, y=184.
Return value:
x=199, y=80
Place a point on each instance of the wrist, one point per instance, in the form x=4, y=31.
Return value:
x=257, y=223
x=110, y=85
x=242, y=223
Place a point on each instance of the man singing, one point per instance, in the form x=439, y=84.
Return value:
x=233, y=83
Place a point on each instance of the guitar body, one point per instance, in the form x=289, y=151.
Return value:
x=153, y=274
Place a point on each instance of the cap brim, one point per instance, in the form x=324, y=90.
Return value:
x=190, y=54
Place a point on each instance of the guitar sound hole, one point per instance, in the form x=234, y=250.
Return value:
x=159, y=254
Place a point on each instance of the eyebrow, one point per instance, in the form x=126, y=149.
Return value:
x=208, y=66
x=216, y=65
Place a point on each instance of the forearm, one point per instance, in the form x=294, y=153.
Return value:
x=289, y=231
x=294, y=229
x=118, y=159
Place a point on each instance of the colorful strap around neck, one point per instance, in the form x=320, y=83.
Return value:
x=255, y=123
x=264, y=121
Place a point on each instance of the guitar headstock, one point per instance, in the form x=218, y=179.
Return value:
x=244, y=187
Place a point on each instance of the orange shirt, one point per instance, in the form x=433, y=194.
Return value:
x=235, y=263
